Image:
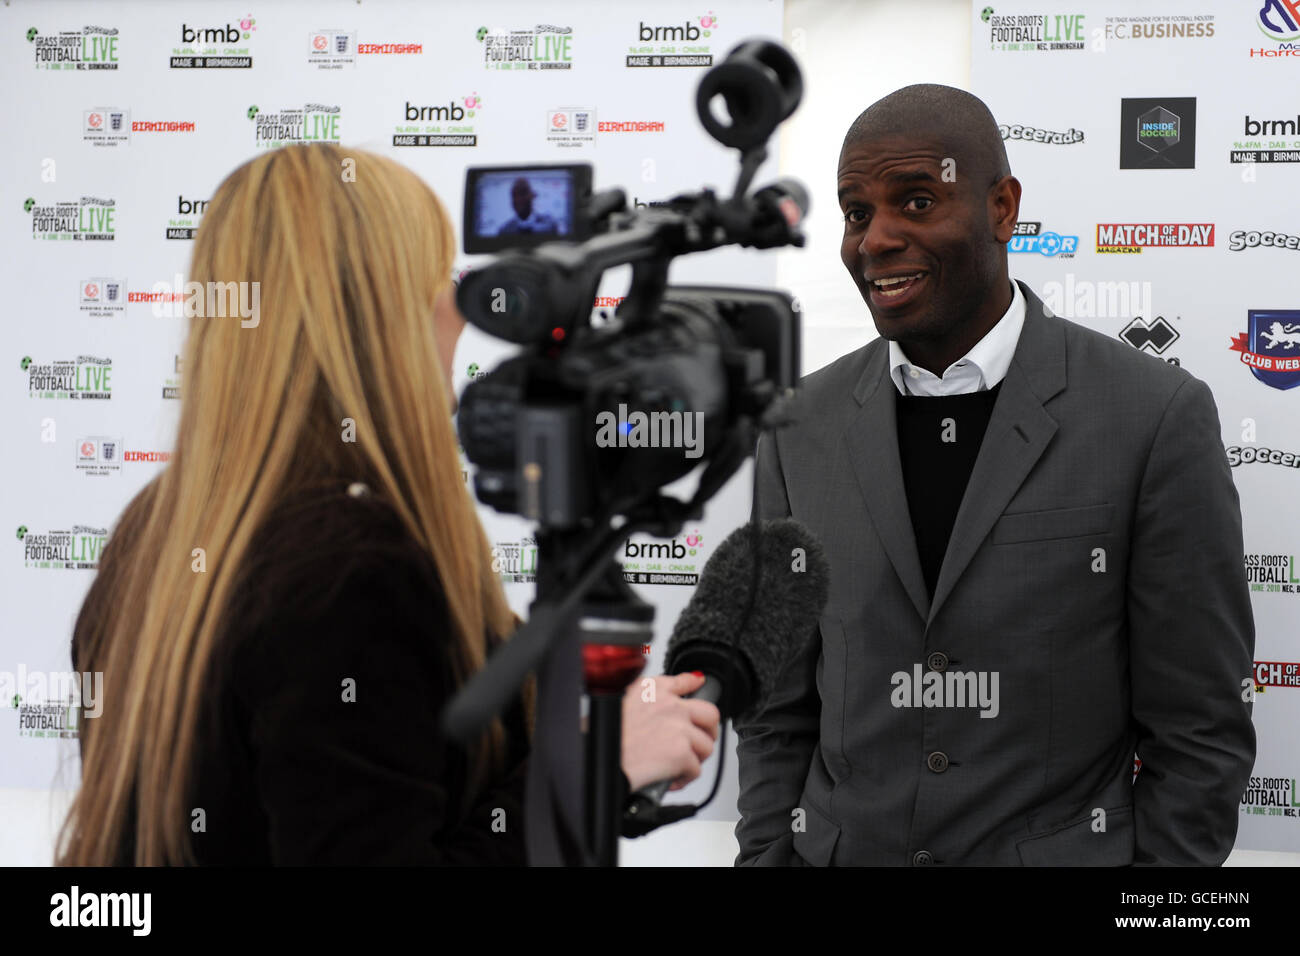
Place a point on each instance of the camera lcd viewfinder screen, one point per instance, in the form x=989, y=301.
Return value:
x=522, y=206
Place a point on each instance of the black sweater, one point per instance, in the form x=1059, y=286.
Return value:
x=939, y=438
x=335, y=596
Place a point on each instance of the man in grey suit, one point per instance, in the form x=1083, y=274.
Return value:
x=1035, y=549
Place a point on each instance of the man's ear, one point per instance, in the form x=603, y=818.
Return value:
x=1004, y=207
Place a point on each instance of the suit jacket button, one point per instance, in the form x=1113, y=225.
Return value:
x=923, y=858
x=938, y=661
x=937, y=761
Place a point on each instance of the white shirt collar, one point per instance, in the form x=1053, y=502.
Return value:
x=984, y=366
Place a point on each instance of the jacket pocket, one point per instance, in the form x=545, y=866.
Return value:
x=816, y=842
x=1078, y=843
x=1057, y=523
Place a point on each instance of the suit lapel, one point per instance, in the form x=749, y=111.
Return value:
x=872, y=441
x=1019, y=431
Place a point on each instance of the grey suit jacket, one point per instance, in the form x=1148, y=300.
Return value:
x=1092, y=604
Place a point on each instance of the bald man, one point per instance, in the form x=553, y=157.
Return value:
x=1035, y=549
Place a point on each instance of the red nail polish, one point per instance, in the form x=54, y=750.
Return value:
x=698, y=673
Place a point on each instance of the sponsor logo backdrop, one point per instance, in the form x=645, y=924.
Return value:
x=125, y=118
x=1182, y=190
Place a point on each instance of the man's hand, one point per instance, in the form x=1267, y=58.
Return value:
x=666, y=737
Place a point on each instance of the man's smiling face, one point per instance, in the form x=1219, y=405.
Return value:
x=921, y=238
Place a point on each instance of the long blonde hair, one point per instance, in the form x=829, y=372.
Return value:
x=350, y=251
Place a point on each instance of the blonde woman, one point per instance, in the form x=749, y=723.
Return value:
x=282, y=613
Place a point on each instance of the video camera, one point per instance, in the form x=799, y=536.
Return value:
x=590, y=420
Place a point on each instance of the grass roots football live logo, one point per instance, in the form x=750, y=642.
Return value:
x=440, y=125
x=1272, y=573
x=102, y=297
x=655, y=561
x=542, y=47
x=1270, y=346
x=1271, y=796
x=1133, y=237
x=312, y=123
x=1157, y=133
x=1279, y=21
x=672, y=45
x=215, y=46
x=85, y=378
x=90, y=48
x=1030, y=32
x=515, y=561
x=84, y=219
x=76, y=550
x=1030, y=237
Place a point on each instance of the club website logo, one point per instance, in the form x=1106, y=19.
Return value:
x=439, y=125
x=1030, y=237
x=1272, y=573
x=674, y=45
x=106, y=127
x=1271, y=796
x=171, y=387
x=1253, y=239
x=1272, y=144
x=87, y=219
x=543, y=47
x=1271, y=346
x=515, y=561
x=1279, y=21
x=90, y=48
x=76, y=550
x=1249, y=454
x=1133, y=237
x=312, y=123
x=571, y=126
x=1154, y=337
x=1031, y=134
x=1158, y=27
x=332, y=49
x=85, y=378
x=102, y=298
x=1157, y=133
x=185, y=223
x=676, y=561
x=1034, y=32
x=99, y=456
x=215, y=46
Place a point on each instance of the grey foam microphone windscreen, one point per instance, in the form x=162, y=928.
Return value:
x=712, y=633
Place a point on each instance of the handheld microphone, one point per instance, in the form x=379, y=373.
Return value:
x=739, y=637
